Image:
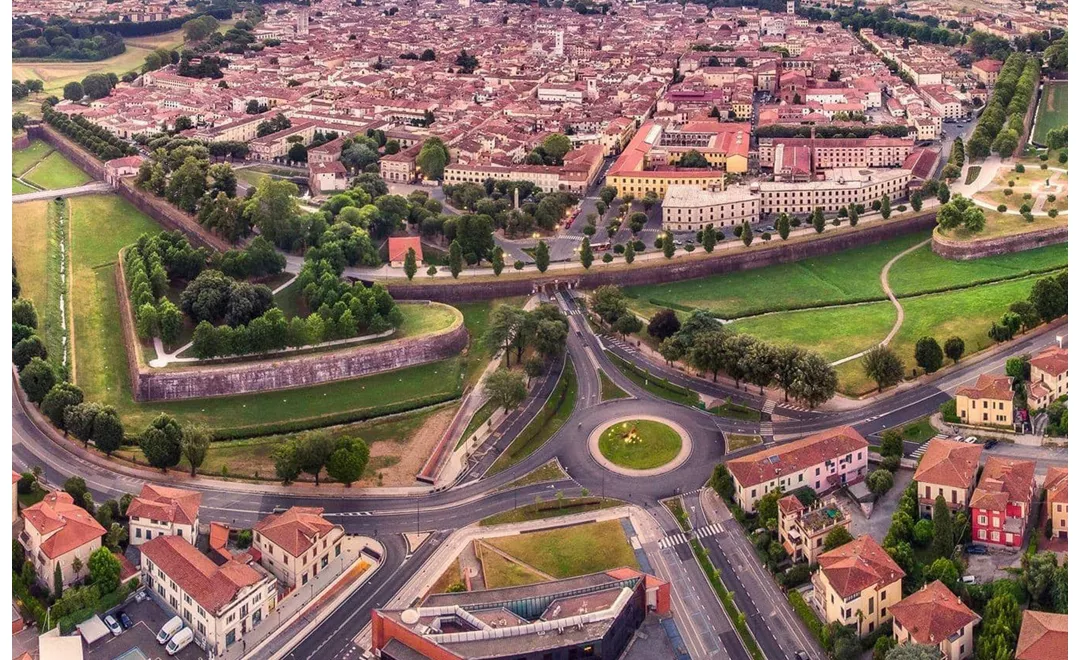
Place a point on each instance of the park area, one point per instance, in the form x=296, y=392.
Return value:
x=835, y=304
x=1053, y=110
x=40, y=167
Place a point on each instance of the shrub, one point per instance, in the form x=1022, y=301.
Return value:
x=1043, y=166
x=1007, y=192
x=948, y=412
x=1053, y=213
x=1002, y=208
x=1020, y=168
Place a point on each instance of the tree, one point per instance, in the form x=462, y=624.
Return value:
x=506, y=388
x=585, y=253
x=287, y=461
x=433, y=158
x=410, y=263
x=541, y=256
x=815, y=380
x=747, y=234
x=664, y=324
x=313, y=452
x=454, y=259
x=194, y=443
x=912, y=651
x=1026, y=312
x=783, y=226
x=1037, y=574
x=708, y=353
x=768, y=509
x=170, y=322
x=928, y=354
x=497, y=261
x=1049, y=298
x=108, y=430
x=818, y=219
x=630, y=252
x=837, y=537
x=853, y=214
x=161, y=441
x=28, y=349
x=1006, y=142
x=892, y=443
x=882, y=365
x=349, y=460
x=73, y=91
x=882, y=646
x=886, y=207
x=708, y=238
x=609, y=303
x=627, y=324
x=23, y=313
x=944, y=542
x=879, y=481
x=36, y=379
x=556, y=146
x=916, y=200
x=58, y=581
x=105, y=570
x=668, y=245
x=693, y=158
x=722, y=482
x=923, y=531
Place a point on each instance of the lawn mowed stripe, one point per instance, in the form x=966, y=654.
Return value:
x=55, y=172
x=844, y=277
x=1053, y=109
x=923, y=271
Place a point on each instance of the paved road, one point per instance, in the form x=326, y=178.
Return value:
x=92, y=188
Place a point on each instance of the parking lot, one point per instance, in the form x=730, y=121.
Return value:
x=148, y=617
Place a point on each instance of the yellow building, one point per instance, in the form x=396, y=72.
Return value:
x=1057, y=500
x=937, y=617
x=56, y=533
x=297, y=544
x=803, y=529
x=948, y=469
x=1049, y=377
x=988, y=403
x=856, y=584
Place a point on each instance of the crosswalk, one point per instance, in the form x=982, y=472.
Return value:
x=769, y=406
x=922, y=448
x=678, y=538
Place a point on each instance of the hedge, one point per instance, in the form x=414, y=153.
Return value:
x=105, y=603
x=663, y=383
x=808, y=616
x=737, y=617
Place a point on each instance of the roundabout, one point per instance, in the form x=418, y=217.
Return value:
x=640, y=445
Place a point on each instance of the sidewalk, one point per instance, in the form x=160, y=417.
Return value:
x=310, y=603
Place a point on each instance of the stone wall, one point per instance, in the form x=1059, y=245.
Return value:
x=657, y=271
x=304, y=371
x=988, y=247
x=165, y=214
x=20, y=142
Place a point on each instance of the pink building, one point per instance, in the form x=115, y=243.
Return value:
x=1001, y=504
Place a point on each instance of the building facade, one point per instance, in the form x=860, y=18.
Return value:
x=1056, y=486
x=1049, y=377
x=856, y=584
x=688, y=208
x=937, y=617
x=56, y=533
x=297, y=544
x=1001, y=503
x=988, y=403
x=947, y=469
x=802, y=529
x=159, y=511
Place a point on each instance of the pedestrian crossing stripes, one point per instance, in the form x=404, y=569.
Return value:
x=678, y=538
x=769, y=406
x=921, y=450
x=710, y=530
x=766, y=429
x=673, y=540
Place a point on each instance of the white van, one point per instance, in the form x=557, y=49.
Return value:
x=179, y=641
x=169, y=629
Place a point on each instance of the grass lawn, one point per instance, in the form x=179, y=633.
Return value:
x=837, y=278
x=450, y=577
x=1031, y=181
x=736, y=411
x=571, y=551
x=101, y=367
x=609, y=390
x=835, y=332
x=24, y=159
x=972, y=174
x=499, y=572
x=737, y=441
x=550, y=419
x=547, y=510
x=1005, y=224
x=1053, y=110
x=654, y=384
x=550, y=471
x=923, y=270
x=476, y=316
x=36, y=494
x=479, y=417
x=291, y=301
x=640, y=444
x=18, y=187
x=918, y=431
x=55, y=172
x=35, y=246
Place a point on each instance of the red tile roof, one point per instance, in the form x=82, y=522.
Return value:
x=164, y=504
x=65, y=525
x=399, y=247
x=769, y=464
x=1053, y=360
x=296, y=530
x=1004, y=480
x=1057, y=485
x=932, y=614
x=857, y=565
x=789, y=504
x=211, y=586
x=1043, y=636
x=949, y=463
x=989, y=386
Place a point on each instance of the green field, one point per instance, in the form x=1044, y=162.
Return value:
x=100, y=226
x=18, y=187
x=640, y=444
x=922, y=270
x=571, y=551
x=55, y=172
x=837, y=278
x=500, y=572
x=35, y=247
x=1053, y=110
x=24, y=159
x=609, y=390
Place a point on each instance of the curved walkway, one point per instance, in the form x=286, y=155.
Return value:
x=892, y=298
x=680, y=458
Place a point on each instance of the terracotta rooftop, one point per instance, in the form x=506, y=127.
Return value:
x=399, y=247
x=1053, y=360
x=63, y=525
x=949, y=463
x=1043, y=636
x=932, y=614
x=1057, y=485
x=296, y=530
x=857, y=565
x=989, y=386
x=164, y=504
x=1004, y=480
x=769, y=464
x=212, y=586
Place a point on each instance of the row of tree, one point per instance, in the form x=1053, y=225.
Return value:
x=344, y=459
x=1048, y=300
x=62, y=39
x=97, y=140
x=1012, y=95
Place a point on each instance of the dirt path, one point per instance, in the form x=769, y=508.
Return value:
x=892, y=298
x=412, y=452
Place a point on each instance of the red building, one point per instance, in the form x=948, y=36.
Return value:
x=1001, y=504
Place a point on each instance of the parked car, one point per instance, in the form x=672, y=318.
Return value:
x=976, y=549
x=112, y=625
x=180, y=641
x=169, y=629
x=968, y=579
x=971, y=439
x=992, y=442
x=125, y=620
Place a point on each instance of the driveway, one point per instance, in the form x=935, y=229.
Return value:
x=877, y=525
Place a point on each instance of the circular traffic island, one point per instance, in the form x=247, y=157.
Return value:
x=640, y=446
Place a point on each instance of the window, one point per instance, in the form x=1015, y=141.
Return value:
x=230, y=638
x=200, y=627
x=138, y=532
x=337, y=547
x=325, y=561
x=303, y=579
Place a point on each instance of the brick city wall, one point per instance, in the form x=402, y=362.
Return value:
x=988, y=247
x=657, y=272
x=76, y=154
x=20, y=142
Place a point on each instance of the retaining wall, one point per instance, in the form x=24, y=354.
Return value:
x=657, y=271
x=20, y=142
x=988, y=247
x=167, y=215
